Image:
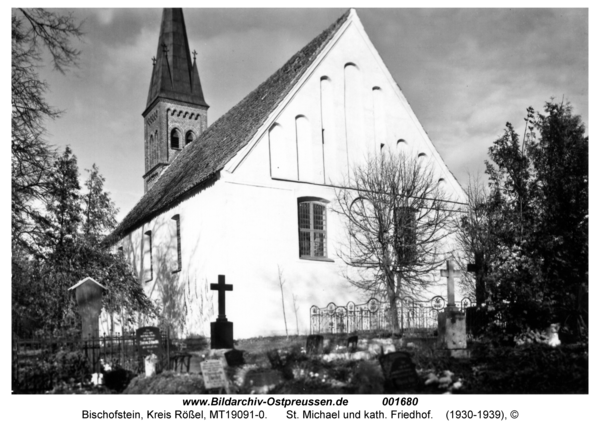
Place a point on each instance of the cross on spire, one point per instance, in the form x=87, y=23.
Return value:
x=221, y=287
x=194, y=53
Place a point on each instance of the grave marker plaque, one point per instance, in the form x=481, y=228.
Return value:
x=399, y=371
x=213, y=374
x=314, y=344
x=149, y=341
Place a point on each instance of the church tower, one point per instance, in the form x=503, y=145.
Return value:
x=176, y=113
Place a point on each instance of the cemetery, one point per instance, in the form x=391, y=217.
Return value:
x=364, y=358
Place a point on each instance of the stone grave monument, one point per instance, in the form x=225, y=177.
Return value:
x=399, y=372
x=221, y=331
x=149, y=346
x=314, y=344
x=234, y=358
x=88, y=294
x=274, y=359
x=452, y=327
x=352, y=343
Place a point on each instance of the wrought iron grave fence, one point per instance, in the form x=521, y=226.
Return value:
x=374, y=315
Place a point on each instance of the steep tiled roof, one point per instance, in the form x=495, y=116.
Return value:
x=205, y=157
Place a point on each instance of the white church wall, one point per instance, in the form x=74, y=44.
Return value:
x=245, y=226
x=384, y=118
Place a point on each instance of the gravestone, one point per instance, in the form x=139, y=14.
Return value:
x=149, y=341
x=452, y=327
x=399, y=372
x=352, y=343
x=234, y=358
x=213, y=374
x=274, y=359
x=221, y=331
x=88, y=294
x=314, y=344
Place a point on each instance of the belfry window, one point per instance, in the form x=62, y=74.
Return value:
x=175, y=138
x=312, y=228
x=189, y=137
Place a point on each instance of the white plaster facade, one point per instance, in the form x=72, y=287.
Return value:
x=244, y=224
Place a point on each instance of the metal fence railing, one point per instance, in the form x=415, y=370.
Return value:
x=374, y=315
x=36, y=363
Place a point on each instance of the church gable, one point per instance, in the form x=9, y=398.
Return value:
x=346, y=107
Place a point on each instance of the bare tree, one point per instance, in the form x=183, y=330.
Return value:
x=397, y=217
x=296, y=314
x=281, y=281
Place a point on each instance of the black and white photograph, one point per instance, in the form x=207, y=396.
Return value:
x=307, y=213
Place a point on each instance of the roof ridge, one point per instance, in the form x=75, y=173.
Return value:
x=220, y=142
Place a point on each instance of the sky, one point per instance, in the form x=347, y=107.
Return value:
x=465, y=73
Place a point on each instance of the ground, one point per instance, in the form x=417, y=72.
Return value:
x=279, y=365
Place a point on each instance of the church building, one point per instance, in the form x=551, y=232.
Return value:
x=251, y=196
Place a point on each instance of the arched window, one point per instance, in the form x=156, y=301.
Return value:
x=176, y=236
x=175, y=137
x=189, y=137
x=312, y=228
x=148, y=256
x=405, y=234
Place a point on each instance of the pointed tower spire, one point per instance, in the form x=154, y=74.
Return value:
x=176, y=112
x=174, y=77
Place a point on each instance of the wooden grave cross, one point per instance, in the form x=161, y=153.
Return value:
x=221, y=287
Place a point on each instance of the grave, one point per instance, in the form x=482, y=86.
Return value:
x=314, y=344
x=234, y=358
x=213, y=375
x=88, y=294
x=399, y=372
x=478, y=268
x=221, y=331
x=352, y=343
x=149, y=341
x=452, y=327
x=274, y=359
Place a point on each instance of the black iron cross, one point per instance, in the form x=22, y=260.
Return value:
x=221, y=287
x=194, y=53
